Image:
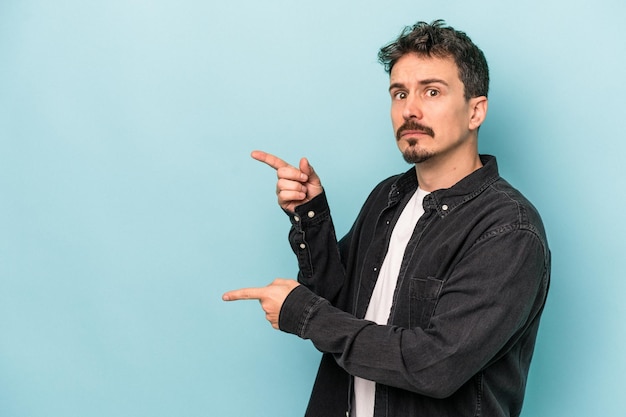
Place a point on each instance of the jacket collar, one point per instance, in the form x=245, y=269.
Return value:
x=446, y=199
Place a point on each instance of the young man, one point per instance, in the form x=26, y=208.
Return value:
x=430, y=305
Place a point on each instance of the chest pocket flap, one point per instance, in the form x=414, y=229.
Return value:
x=423, y=293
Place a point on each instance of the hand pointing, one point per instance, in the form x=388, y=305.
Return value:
x=271, y=297
x=295, y=186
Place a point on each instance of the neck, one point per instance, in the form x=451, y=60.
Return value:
x=435, y=173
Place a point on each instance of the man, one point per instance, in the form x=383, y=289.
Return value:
x=430, y=305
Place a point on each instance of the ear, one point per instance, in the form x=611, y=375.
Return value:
x=478, y=111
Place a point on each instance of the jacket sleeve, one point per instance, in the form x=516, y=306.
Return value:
x=488, y=304
x=321, y=258
x=312, y=238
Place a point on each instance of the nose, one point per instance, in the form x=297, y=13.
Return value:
x=412, y=108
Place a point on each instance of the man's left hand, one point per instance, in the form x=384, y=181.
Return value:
x=271, y=297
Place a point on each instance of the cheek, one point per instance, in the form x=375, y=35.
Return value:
x=448, y=121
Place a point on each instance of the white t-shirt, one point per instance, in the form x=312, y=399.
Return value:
x=379, y=307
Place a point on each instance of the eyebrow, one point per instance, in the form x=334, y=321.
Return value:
x=422, y=82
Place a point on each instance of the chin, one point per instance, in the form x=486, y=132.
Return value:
x=413, y=155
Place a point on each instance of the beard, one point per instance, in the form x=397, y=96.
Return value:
x=414, y=154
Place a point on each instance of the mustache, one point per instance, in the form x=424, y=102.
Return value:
x=413, y=125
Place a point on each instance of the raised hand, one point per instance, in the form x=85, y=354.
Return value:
x=295, y=186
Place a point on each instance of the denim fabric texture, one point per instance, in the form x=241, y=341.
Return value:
x=466, y=310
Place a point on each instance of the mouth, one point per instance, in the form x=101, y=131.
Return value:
x=414, y=133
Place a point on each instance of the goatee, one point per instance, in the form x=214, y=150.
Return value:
x=414, y=155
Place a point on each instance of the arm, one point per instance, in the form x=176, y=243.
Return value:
x=488, y=304
x=313, y=240
x=322, y=260
x=312, y=236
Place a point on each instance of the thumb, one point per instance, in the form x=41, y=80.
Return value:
x=307, y=169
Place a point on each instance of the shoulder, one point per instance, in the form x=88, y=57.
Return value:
x=507, y=205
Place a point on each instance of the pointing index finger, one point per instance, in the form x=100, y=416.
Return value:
x=269, y=159
x=243, y=294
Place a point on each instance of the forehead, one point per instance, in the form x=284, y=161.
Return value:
x=415, y=68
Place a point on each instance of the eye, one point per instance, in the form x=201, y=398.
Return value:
x=399, y=95
x=431, y=92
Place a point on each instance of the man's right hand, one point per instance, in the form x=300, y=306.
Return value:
x=295, y=186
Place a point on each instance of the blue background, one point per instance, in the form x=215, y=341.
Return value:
x=129, y=202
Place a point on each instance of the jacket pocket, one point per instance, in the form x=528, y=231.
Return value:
x=423, y=293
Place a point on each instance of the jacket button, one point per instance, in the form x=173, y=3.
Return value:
x=296, y=218
x=311, y=214
x=444, y=207
x=302, y=246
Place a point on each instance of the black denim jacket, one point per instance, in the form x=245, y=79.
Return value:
x=466, y=309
